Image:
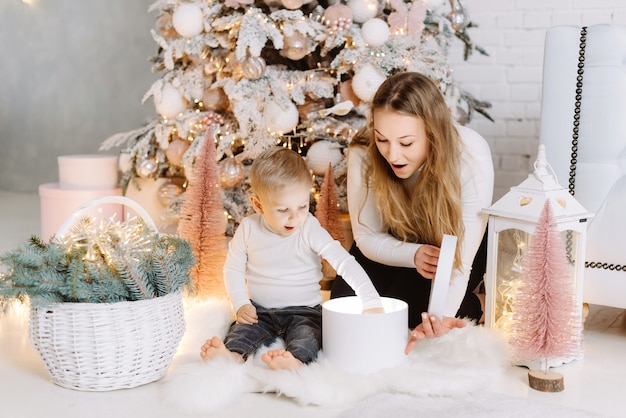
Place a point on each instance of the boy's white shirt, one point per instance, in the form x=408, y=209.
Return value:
x=279, y=271
x=372, y=238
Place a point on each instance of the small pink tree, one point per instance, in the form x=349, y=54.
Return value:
x=202, y=222
x=327, y=213
x=546, y=321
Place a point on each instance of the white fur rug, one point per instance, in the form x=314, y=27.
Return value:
x=464, y=362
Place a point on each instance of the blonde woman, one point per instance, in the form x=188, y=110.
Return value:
x=413, y=176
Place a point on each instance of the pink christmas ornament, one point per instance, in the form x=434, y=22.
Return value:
x=403, y=20
x=292, y=4
x=175, y=151
x=338, y=17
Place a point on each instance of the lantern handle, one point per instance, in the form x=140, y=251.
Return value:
x=541, y=167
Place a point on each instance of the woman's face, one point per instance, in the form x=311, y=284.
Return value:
x=401, y=139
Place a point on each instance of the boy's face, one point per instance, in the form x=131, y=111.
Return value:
x=284, y=210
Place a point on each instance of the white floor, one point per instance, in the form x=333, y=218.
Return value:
x=595, y=384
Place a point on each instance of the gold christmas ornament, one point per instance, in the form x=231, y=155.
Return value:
x=165, y=27
x=253, y=67
x=458, y=17
x=213, y=65
x=295, y=46
x=168, y=192
x=237, y=146
x=216, y=100
x=147, y=168
x=232, y=172
x=175, y=151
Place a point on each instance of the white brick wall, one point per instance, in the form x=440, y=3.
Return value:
x=513, y=33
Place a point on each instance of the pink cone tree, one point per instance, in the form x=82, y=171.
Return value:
x=202, y=222
x=327, y=213
x=546, y=321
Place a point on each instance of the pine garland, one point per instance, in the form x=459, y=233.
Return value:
x=103, y=263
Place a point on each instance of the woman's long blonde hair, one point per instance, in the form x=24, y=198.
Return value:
x=433, y=207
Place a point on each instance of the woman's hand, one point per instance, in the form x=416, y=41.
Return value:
x=425, y=259
x=247, y=315
x=432, y=327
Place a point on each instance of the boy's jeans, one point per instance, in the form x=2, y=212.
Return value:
x=299, y=326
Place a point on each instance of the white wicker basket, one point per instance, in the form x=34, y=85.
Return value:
x=108, y=346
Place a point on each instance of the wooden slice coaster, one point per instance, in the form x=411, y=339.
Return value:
x=546, y=381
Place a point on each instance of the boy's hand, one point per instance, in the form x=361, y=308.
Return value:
x=247, y=315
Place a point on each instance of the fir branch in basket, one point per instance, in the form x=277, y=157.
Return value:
x=101, y=263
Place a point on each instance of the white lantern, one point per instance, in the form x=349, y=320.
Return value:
x=512, y=222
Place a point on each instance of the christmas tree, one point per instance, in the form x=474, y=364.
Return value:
x=296, y=73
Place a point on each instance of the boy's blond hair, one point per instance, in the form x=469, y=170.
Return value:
x=278, y=167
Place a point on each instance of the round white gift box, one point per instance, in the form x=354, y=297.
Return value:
x=97, y=171
x=364, y=343
x=57, y=204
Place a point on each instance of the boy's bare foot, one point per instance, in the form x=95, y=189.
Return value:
x=214, y=347
x=281, y=359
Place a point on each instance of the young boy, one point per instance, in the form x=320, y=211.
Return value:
x=277, y=253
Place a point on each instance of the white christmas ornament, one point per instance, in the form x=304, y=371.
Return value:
x=322, y=153
x=366, y=81
x=170, y=102
x=363, y=10
x=375, y=32
x=187, y=20
x=281, y=116
x=232, y=172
